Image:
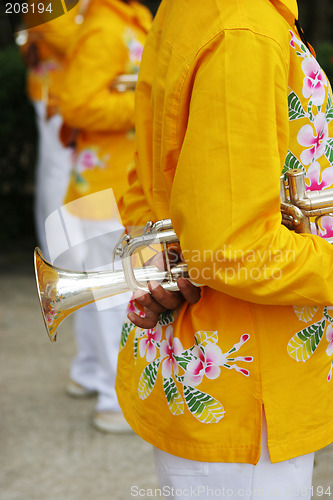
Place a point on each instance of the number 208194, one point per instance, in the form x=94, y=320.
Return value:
x=27, y=8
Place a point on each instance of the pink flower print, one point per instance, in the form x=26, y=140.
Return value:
x=293, y=39
x=314, y=82
x=45, y=67
x=50, y=316
x=329, y=338
x=85, y=160
x=88, y=159
x=51, y=66
x=329, y=350
x=230, y=361
x=138, y=51
x=170, y=348
x=315, y=142
x=326, y=230
x=207, y=362
x=135, y=50
x=147, y=344
x=131, y=307
x=313, y=175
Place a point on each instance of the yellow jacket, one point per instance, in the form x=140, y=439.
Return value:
x=52, y=40
x=109, y=43
x=222, y=110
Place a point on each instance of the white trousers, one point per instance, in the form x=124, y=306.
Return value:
x=97, y=335
x=180, y=478
x=52, y=170
x=97, y=326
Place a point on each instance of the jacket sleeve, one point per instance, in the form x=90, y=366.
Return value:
x=86, y=101
x=225, y=201
x=133, y=206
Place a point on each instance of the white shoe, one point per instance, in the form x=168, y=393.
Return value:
x=111, y=421
x=76, y=390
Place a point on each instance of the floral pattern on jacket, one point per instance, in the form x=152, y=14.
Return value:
x=85, y=160
x=182, y=370
x=135, y=50
x=314, y=135
x=314, y=138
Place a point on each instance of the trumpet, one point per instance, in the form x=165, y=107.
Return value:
x=124, y=82
x=299, y=206
x=62, y=292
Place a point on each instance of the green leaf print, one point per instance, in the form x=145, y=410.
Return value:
x=148, y=379
x=174, y=399
x=304, y=343
x=203, y=406
x=127, y=327
x=327, y=314
x=185, y=357
x=79, y=180
x=166, y=318
x=295, y=107
x=329, y=151
x=291, y=162
x=329, y=108
x=138, y=334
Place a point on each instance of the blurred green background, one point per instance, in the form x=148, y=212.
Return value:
x=18, y=136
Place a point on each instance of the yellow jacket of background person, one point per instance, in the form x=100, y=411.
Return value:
x=52, y=40
x=109, y=43
x=228, y=98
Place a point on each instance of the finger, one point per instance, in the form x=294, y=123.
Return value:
x=139, y=296
x=149, y=321
x=190, y=292
x=169, y=300
x=150, y=303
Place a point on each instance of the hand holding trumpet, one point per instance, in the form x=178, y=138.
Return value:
x=159, y=300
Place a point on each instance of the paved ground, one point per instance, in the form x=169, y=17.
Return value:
x=48, y=447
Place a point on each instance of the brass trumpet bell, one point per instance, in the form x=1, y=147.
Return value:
x=62, y=292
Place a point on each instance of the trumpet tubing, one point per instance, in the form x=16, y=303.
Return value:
x=122, y=83
x=298, y=205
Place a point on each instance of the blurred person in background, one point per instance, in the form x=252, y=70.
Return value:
x=233, y=388
x=99, y=121
x=44, y=53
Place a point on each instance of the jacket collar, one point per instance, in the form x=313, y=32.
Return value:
x=288, y=8
x=130, y=12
